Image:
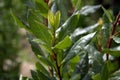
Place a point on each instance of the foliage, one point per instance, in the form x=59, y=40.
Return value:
x=67, y=50
x=9, y=42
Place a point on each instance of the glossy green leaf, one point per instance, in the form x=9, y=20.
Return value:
x=79, y=46
x=42, y=76
x=35, y=46
x=82, y=66
x=65, y=43
x=115, y=53
x=34, y=75
x=88, y=9
x=108, y=14
x=42, y=68
x=42, y=7
x=68, y=27
x=116, y=39
x=39, y=29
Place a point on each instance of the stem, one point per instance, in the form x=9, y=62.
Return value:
x=115, y=24
x=58, y=69
x=55, y=57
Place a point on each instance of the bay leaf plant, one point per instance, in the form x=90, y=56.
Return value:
x=65, y=48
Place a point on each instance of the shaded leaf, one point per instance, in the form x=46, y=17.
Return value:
x=35, y=46
x=34, y=75
x=108, y=14
x=115, y=75
x=42, y=68
x=78, y=5
x=42, y=76
x=115, y=53
x=42, y=7
x=39, y=29
x=19, y=23
x=96, y=77
x=82, y=66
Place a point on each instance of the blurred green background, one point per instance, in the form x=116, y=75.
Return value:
x=16, y=56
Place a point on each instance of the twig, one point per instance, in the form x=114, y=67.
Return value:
x=115, y=24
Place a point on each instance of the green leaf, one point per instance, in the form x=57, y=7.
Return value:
x=88, y=9
x=68, y=27
x=116, y=39
x=35, y=46
x=105, y=73
x=54, y=19
x=42, y=68
x=18, y=21
x=115, y=53
x=78, y=5
x=39, y=29
x=108, y=14
x=78, y=47
x=51, y=19
x=57, y=19
x=65, y=43
x=115, y=75
x=42, y=76
x=96, y=77
x=82, y=67
x=42, y=7
x=34, y=75
x=45, y=61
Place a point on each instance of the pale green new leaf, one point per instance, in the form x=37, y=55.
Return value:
x=57, y=19
x=54, y=19
x=65, y=43
x=51, y=19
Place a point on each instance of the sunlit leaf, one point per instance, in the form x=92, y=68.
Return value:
x=68, y=27
x=78, y=46
x=116, y=39
x=88, y=9
x=65, y=43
